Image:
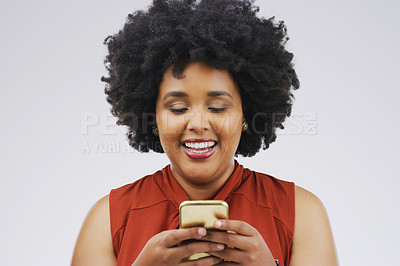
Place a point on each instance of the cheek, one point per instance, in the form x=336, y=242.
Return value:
x=168, y=124
x=228, y=126
x=229, y=133
x=170, y=128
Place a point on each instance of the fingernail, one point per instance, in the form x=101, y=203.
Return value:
x=202, y=231
x=218, y=224
x=220, y=246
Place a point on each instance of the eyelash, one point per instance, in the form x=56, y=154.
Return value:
x=179, y=111
x=217, y=110
x=182, y=110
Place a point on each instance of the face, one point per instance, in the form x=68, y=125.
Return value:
x=199, y=119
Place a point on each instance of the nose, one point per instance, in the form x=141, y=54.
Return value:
x=197, y=121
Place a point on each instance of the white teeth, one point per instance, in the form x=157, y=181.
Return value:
x=199, y=145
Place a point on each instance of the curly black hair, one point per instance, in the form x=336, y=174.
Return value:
x=224, y=34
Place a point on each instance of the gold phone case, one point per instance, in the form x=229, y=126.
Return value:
x=202, y=213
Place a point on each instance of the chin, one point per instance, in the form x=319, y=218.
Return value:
x=201, y=180
x=198, y=174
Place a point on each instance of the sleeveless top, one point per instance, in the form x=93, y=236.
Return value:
x=140, y=210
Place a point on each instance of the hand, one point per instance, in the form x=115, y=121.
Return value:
x=162, y=248
x=247, y=246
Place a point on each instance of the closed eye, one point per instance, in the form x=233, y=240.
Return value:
x=217, y=110
x=179, y=110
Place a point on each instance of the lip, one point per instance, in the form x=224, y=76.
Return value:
x=194, y=155
x=198, y=140
x=202, y=155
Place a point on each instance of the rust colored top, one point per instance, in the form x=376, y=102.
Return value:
x=150, y=205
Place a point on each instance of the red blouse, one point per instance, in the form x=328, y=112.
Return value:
x=150, y=205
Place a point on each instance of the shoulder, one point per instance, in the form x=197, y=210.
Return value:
x=95, y=237
x=309, y=210
x=307, y=202
x=270, y=192
x=268, y=184
x=312, y=232
x=98, y=219
x=141, y=193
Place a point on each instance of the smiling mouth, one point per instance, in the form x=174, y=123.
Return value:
x=199, y=146
x=199, y=149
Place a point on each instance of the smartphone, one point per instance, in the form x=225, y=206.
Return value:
x=201, y=213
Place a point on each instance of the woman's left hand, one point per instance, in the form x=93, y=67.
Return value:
x=246, y=245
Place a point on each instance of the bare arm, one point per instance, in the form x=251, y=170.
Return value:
x=94, y=244
x=312, y=241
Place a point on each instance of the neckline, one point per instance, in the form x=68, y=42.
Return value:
x=174, y=191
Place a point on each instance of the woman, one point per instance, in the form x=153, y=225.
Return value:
x=203, y=82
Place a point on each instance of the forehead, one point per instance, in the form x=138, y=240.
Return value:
x=198, y=78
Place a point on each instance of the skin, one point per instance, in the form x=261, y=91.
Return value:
x=192, y=114
x=196, y=115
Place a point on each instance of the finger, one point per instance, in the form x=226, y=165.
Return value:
x=174, y=237
x=211, y=260
x=239, y=227
x=230, y=239
x=232, y=254
x=186, y=250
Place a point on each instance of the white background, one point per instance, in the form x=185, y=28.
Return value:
x=51, y=60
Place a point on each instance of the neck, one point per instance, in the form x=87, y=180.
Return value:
x=196, y=191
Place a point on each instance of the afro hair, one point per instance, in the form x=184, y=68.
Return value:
x=224, y=34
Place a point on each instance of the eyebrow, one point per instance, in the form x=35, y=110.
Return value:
x=219, y=93
x=181, y=94
x=174, y=94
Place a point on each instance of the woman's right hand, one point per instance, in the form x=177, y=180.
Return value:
x=163, y=248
